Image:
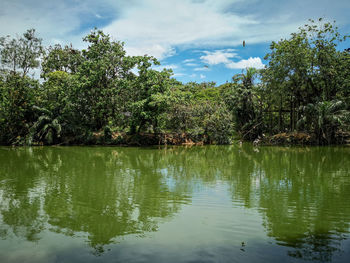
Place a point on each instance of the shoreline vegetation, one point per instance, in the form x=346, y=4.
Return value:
x=101, y=96
x=183, y=139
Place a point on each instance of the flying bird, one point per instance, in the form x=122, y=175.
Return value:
x=206, y=66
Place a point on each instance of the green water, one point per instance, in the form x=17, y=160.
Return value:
x=112, y=204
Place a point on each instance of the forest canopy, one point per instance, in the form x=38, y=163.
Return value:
x=101, y=95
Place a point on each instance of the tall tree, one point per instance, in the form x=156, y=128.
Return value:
x=21, y=53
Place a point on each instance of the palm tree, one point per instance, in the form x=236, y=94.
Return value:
x=46, y=129
x=248, y=78
x=245, y=107
x=325, y=118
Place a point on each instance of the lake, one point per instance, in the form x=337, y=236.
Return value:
x=177, y=204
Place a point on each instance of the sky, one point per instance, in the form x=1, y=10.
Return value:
x=200, y=40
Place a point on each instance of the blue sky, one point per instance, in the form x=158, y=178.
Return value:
x=201, y=40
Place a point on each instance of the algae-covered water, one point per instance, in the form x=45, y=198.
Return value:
x=198, y=204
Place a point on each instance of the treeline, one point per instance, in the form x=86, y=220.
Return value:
x=101, y=95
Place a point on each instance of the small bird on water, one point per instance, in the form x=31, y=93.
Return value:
x=243, y=245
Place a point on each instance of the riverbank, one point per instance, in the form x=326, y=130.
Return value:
x=191, y=139
x=302, y=138
x=142, y=139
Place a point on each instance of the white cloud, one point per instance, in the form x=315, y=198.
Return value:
x=170, y=66
x=225, y=57
x=155, y=50
x=179, y=75
x=57, y=41
x=218, y=56
x=177, y=70
x=159, y=28
x=202, y=76
x=246, y=63
x=202, y=69
x=210, y=23
x=191, y=64
x=62, y=22
x=189, y=60
x=160, y=25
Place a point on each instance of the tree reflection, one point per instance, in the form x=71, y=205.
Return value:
x=20, y=202
x=108, y=193
x=300, y=193
x=105, y=193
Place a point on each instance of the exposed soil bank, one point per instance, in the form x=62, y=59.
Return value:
x=144, y=139
x=302, y=138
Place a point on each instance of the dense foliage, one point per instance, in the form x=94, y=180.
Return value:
x=102, y=95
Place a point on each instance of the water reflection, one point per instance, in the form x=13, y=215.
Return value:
x=301, y=193
x=105, y=193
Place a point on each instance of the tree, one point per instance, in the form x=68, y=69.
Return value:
x=242, y=100
x=324, y=118
x=21, y=53
x=56, y=101
x=306, y=69
x=46, y=129
x=102, y=76
x=18, y=56
x=65, y=59
x=151, y=94
x=16, y=112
